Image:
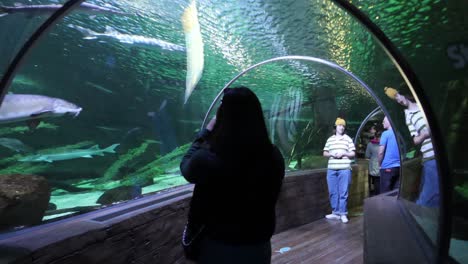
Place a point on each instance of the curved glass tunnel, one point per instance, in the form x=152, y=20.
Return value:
x=125, y=66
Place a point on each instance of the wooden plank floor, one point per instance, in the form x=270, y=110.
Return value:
x=322, y=241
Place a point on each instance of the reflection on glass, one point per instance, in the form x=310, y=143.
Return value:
x=421, y=181
x=367, y=145
x=457, y=105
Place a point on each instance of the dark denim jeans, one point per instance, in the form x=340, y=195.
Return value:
x=389, y=179
x=375, y=181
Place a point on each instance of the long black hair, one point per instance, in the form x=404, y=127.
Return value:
x=240, y=131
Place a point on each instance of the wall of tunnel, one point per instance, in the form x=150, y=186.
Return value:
x=132, y=69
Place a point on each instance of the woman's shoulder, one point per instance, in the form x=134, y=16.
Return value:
x=276, y=153
x=277, y=161
x=204, y=154
x=275, y=149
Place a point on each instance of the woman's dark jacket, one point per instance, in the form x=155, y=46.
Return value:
x=235, y=202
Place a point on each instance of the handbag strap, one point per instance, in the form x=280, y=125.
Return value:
x=184, y=235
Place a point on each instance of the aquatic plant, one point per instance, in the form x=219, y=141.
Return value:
x=23, y=129
x=314, y=162
x=11, y=165
x=22, y=167
x=169, y=161
x=163, y=171
x=462, y=190
x=113, y=171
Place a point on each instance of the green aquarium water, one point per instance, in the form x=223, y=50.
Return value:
x=127, y=69
x=141, y=76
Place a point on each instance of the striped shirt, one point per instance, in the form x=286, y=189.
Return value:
x=337, y=144
x=416, y=123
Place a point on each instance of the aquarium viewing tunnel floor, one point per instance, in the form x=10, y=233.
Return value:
x=322, y=241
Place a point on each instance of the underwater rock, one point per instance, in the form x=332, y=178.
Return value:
x=117, y=194
x=23, y=199
x=67, y=187
x=138, y=180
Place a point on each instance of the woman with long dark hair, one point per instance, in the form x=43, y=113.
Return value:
x=237, y=173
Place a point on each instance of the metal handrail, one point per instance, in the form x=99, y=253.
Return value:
x=294, y=57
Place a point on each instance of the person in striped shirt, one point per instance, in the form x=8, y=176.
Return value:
x=429, y=187
x=339, y=149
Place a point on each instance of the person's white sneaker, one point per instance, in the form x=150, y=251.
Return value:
x=344, y=219
x=332, y=216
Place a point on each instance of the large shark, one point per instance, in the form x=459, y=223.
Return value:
x=32, y=108
x=111, y=33
x=71, y=154
x=194, y=44
x=32, y=10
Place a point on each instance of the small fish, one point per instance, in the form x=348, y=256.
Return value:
x=194, y=44
x=31, y=108
x=22, y=80
x=151, y=141
x=15, y=145
x=111, y=33
x=108, y=128
x=99, y=87
x=194, y=122
x=33, y=10
x=131, y=132
x=71, y=154
x=163, y=105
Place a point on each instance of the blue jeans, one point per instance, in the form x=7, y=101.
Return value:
x=429, y=195
x=389, y=179
x=338, y=185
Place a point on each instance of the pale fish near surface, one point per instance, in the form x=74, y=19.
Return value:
x=108, y=128
x=34, y=10
x=99, y=87
x=194, y=46
x=71, y=154
x=143, y=41
x=32, y=107
x=23, y=81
